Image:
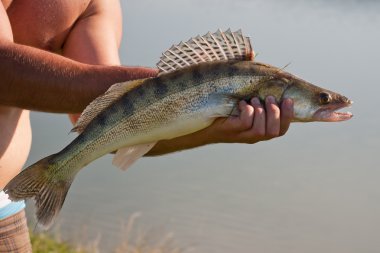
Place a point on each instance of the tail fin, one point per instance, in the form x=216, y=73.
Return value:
x=39, y=183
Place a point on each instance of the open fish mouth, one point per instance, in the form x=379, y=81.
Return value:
x=330, y=114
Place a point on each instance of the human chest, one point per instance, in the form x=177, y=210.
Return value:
x=43, y=24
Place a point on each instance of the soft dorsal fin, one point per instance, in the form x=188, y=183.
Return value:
x=102, y=102
x=209, y=47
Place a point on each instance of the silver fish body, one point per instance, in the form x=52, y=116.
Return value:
x=165, y=107
x=171, y=105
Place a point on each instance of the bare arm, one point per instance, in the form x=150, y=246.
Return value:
x=38, y=80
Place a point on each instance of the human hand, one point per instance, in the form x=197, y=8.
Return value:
x=254, y=123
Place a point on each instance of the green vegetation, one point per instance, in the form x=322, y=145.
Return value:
x=42, y=243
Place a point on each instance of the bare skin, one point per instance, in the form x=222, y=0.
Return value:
x=54, y=56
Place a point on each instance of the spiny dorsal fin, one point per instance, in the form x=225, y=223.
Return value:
x=209, y=47
x=102, y=102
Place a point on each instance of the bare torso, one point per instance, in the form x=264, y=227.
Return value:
x=44, y=24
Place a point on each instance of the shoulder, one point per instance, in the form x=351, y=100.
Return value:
x=96, y=34
x=105, y=13
x=110, y=8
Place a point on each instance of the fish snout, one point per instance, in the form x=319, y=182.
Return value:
x=344, y=101
x=347, y=101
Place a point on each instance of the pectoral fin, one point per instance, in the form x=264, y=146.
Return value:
x=223, y=105
x=125, y=157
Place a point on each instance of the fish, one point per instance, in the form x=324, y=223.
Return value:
x=199, y=80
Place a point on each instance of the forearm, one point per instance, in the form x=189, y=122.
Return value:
x=38, y=80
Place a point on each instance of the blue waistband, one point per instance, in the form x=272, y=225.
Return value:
x=11, y=208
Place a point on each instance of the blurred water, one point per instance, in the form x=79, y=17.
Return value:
x=314, y=190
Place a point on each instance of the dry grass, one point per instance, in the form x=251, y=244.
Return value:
x=133, y=241
x=144, y=242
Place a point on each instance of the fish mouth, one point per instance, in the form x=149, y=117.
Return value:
x=330, y=114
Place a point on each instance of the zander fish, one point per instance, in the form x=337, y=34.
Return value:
x=200, y=80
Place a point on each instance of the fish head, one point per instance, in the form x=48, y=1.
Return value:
x=313, y=103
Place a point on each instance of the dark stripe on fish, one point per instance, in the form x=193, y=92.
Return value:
x=160, y=88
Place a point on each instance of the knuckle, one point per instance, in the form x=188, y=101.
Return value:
x=272, y=135
x=246, y=124
x=260, y=133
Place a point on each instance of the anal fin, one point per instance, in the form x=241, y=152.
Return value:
x=126, y=156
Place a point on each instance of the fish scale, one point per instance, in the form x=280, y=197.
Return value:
x=190, y=92
x=142, y=113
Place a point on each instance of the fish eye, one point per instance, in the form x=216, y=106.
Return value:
x=324, y=98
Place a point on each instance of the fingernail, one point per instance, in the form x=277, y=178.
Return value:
x=242, y=103
x=255, y=101
x=270, y=99
x=288, y=102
